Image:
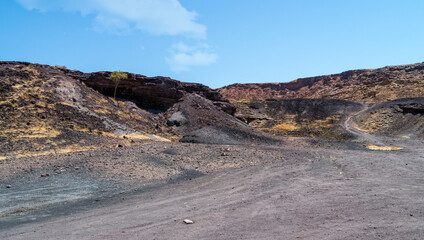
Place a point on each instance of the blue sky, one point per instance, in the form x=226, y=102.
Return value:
x=214, y=42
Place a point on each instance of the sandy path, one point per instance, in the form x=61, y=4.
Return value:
x=341, y=195
x=347, y=125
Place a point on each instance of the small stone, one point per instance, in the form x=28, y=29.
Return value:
x=45, y=175
x=8, y=186
x=188, y=221
x=76, y=168
x=119, y=145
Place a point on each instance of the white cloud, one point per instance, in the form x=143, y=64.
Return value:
x=158, y=17
x=184, y=57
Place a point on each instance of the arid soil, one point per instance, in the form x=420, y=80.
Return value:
x=78, y=164
x=296, y=190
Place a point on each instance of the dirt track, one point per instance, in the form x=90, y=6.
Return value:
x=321, y=194
x=301, y=189
x=347, y=125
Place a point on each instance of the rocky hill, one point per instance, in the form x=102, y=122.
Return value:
x=46, y=109
x=316, y=118
x=402, y=118
x=368, y=85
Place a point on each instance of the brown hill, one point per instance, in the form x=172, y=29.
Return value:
x=368, y=85
x=399, y=118
x=45, y=109
x=317, y=118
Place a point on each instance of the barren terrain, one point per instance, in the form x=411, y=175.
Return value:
x=297, y=190
x=77, y=164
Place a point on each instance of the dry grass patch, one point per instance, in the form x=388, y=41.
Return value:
x=383, y=148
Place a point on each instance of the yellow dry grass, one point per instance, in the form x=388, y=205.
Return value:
x=159, y=138
x=243, y=100
x=355, y=125
x=383, y=148
x=67, y=149
x=101, y=111
x=291, y=125
x=67, y=104
x=136, y=136
x=326, y=123
x=94, y=131
x=31, y=70
x=33, y=132
x=286, y=127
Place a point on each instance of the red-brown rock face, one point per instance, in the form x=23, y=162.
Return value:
x=371, y=86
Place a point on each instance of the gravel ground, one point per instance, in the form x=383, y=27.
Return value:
x=300, y=189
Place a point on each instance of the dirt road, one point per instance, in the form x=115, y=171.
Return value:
x=362, y=136
x=325, y=194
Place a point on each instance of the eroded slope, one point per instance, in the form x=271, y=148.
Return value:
x=44, y=111
x=400, y=118
x=367, y=85
x=47, y=110
x=321, y=118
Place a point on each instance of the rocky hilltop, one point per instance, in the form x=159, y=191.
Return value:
x=50, y=109
x=367, y=85
x=152, y=93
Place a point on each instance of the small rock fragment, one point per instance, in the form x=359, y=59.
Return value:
x=8, y=186
x=45, y=175
x=188, y=221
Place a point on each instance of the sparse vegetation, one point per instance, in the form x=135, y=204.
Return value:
x=116, y=77
x=60, y=67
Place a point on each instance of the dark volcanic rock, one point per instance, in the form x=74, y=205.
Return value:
x=298, y=117
x=200, y=121
x=152, y=93
x=43, y=111
x=399, y=118
x=50, y=109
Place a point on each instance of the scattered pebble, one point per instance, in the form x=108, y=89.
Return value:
x=45, y=175
x=8, y=186
x=188, y=221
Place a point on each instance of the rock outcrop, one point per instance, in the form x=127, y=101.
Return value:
x=402, y=118
x=50, y=109
x=368, y=85
x=317, y=118
x=156, y=94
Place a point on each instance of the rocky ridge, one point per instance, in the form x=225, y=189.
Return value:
x=366, y=85
x=50, y=109
x=156, y=94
